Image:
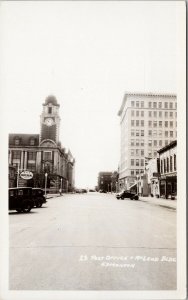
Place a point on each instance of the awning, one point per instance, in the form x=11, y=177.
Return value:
x=133, y=185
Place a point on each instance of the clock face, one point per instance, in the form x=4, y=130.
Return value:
x=49, y=122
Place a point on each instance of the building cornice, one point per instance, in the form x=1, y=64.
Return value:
x=137, y=94
x=167, y=147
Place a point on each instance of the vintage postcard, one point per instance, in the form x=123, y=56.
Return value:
x=93, y=149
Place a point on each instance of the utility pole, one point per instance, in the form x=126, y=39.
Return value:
x=18, y=171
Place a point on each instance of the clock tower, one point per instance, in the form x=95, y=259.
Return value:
x=50, y=120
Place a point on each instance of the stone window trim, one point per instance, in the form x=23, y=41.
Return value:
x=17, y=141
x=31, y=155
x=16, y=154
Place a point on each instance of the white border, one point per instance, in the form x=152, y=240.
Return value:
x=180, y=293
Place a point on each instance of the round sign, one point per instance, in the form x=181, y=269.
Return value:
x=26, y=175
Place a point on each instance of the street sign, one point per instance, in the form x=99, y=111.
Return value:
x=26, y=175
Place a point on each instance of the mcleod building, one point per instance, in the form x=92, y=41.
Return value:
x=148, y=123
x=43, y=154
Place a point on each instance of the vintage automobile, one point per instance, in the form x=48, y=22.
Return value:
x=38, y=197
x=127, y=194
x=102, y=191
x=21, y=199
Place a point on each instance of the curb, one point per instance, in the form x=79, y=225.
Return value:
x=161, y=202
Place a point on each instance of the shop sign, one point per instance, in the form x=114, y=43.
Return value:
x=26, y=175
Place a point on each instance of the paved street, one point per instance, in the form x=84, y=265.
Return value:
x=93, y=242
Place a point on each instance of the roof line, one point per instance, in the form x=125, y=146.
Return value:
x=149, y=94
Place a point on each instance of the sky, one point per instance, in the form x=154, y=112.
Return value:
x=87, y=54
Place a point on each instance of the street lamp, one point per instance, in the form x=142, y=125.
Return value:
x=46, y=175
x=137, y=184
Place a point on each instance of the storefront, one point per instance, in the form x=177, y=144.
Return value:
x=168, y=171
x=168, y=187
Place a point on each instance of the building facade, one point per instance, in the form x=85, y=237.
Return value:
x=152, y=172
x=12, y=176
x=168, y=170
x=148, y=122
x=43, y=154
x=105, y=181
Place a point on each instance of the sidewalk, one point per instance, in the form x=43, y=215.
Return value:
x=172, y=204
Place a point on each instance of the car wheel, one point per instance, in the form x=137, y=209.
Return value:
x=27, y=208
x=122, y=198
x=39, y=204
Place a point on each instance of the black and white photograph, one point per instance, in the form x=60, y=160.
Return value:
x=93, y=114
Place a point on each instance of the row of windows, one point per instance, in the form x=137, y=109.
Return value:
x=154, y=143
x=17, y=155
x=137, y=152
x=136, y=172
x=137, y=142
x=137, y=123
x=18, y=141
x=168, y=164
x=137, y=162
x=31, y=155
x=154, y=133
x=154, y=104
x=137, y=113
x=161, y=124
x=137, y=132
x=155, y=114
x=30, y=166
x=140, y=123
x=160, y=114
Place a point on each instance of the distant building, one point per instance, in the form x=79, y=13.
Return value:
x=105, y=181
x=168, y=170
x=141, y=185
x=148, y=122
x=153, y=177
x=42, y=153
x=115, y=177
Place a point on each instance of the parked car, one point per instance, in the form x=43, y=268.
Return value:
x=102, y=191
x=38, y=197
x=127, y=194
x=80, y=191
x=20, y=199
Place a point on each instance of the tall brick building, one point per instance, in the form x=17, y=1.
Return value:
x=42, y=153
